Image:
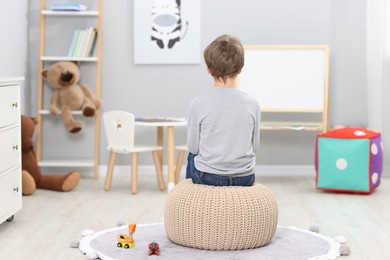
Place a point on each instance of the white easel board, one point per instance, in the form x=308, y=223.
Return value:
x=288, y=78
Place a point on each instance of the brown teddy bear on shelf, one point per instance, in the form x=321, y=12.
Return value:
x=63, y=77
x=32, y=177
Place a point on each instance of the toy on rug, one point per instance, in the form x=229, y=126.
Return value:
x=154, y=249
x=32, y=177
x=63, y=77
x=349, y=160
x=127, y=241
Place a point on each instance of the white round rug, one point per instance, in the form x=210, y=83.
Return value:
x=288, y=243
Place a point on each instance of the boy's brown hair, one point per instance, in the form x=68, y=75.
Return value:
x=224, y=57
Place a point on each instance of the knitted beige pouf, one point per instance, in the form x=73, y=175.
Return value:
x=220, y=218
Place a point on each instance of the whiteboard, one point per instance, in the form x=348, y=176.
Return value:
x=287, y=77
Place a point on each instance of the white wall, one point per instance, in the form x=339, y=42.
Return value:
x=166, y=90
x=13, y=43
x=13, y=40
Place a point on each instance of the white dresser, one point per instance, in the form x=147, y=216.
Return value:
x=10, y=148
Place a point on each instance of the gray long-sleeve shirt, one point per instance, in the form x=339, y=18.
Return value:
x=223, y=130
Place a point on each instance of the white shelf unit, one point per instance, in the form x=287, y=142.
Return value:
x=10, y=148
x=45, y=16
x=67, y=163
x=69, y=13
x=47, y=112
x=65, y=58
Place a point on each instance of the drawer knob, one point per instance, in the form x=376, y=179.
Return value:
x=14, y=104
x=16, y=189
x=15, y=147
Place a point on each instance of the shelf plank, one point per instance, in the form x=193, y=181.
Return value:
x=70, y=13
x=66, y=58
x=66, y=163
x=297, y=126
x=47, y=112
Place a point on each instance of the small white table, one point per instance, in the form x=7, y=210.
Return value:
x=160, y=123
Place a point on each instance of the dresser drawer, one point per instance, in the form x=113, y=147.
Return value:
x=9, y=105
x=10, y=191
x=10, y=148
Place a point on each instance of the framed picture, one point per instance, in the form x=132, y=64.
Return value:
x=167, y=32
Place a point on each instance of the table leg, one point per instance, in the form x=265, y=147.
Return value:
x=160, y=142
x=171, y=157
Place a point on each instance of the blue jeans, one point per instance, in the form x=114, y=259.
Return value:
x=205, y=178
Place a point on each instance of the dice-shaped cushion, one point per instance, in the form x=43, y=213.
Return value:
x=349, y=160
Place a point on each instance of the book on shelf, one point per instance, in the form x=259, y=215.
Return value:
x=90, y=45
x=83, y=43
x=78, y=42
x=68, y=7
x=72, y=45
x=92, y=49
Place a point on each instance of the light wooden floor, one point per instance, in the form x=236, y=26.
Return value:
x=49, y=220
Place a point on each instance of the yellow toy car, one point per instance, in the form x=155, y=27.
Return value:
x=127, y=241
x=124, y=241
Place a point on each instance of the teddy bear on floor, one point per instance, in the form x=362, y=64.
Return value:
x=32, y=177
x=63, y=77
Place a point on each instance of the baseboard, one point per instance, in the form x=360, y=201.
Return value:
x=261, y=170
x=386, y=171
x=285, y=170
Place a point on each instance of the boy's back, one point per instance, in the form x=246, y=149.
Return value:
x=222, y=124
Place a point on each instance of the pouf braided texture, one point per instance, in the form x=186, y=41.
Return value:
x=220, y=218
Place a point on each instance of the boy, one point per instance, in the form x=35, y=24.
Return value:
x=223, y=124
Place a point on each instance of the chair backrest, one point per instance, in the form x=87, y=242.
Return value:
x=119, y=126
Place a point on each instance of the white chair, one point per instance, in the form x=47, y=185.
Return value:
x=119, y=126
x=182, y=149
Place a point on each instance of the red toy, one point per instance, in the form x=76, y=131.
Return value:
x=154, y=249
